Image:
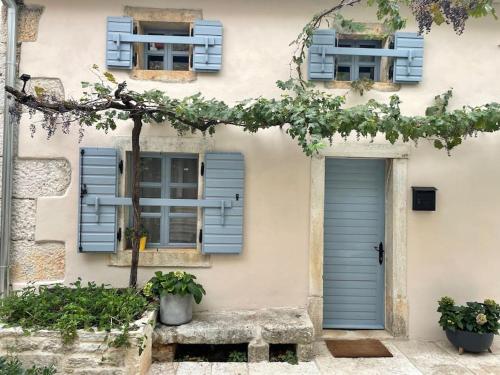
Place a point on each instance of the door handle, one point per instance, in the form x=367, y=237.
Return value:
x=380, y=249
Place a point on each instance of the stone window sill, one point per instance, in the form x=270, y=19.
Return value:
x=172, y=76
x=162, y=258
x=377, y=86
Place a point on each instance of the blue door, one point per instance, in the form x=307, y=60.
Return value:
x=353, y=267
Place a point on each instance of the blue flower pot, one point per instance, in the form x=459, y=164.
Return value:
x=470, y=341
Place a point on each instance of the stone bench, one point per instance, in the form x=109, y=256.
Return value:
x=258, y=328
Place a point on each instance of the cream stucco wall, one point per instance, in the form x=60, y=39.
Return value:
x=451, y=251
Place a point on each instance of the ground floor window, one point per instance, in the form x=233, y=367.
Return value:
x=169, y=176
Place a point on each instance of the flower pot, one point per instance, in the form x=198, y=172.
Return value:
x=175, y=309
x=470, y=341
x=142, y=243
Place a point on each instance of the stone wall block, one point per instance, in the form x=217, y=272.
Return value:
x=258, y=351
x=164, y=352
x=305, y=352
x=78, y=361
x=33, y=261
x=115, y=358
x=29, y=19
x=40, y=359
x=40, y=177
x=23, y=219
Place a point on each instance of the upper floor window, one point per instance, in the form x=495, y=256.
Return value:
x=170, y=176
x=352, y=68
x=159, y=56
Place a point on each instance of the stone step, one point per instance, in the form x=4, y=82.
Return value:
x=259, y=328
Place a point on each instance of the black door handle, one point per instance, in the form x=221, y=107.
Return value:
x=380, y=249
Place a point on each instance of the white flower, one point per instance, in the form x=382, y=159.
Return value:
x=481, y=319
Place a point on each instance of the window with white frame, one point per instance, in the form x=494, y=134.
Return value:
x=352, y=68
x=169, y=176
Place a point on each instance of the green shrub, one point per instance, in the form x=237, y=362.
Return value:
x=237, y=356
x=178, y=282
x=288, y=356
x=473, y=317
x=12, y=366
x=67, y=309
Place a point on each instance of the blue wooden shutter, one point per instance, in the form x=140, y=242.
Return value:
x=208, y=58
x=320, y=64
x=98, y=178
x=409, y=70
x=224, y=180
x=119, y=54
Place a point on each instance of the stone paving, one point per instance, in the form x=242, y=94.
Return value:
x=411, y=357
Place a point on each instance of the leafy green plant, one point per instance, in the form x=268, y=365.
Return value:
x=129, y=233
x=473, y=317
x=237, y=356
x=12, y=366
x=362, y=85
x=288, y=356
x=175, y=282
x=67, y=309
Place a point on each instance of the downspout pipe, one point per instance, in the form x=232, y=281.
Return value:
x=8, y=149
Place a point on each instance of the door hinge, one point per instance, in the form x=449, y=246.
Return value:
x=200, y=236
x=202, y=169
x=119, y=234
x=120, y=166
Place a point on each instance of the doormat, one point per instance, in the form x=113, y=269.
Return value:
x=366, y=348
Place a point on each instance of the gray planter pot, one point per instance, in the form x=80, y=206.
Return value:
x=175, y=309
x=470, y=341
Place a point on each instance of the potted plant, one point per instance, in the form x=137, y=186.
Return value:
x=471, y=327
x=143, y=237
x=176, y=291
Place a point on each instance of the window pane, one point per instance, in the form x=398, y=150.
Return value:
x=343, y=73
x=155, y=62
x=152, y=225
x=150, y=170
x=180, y=62
x=184, y=193
x=180, y=47
x=344, y=58
x=150, y=193
x=184, y=170
x=155, y=47
x=183, y=230
x=367, y=72
x=366, y=58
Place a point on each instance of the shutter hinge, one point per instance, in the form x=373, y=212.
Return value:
x=119, y=234
x=82, y=152
x=120, y=166
x=80, y=248
x=202, y=169
x=83, y=191
x=200, y=236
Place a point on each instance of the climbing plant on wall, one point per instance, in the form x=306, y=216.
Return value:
x=308, y=115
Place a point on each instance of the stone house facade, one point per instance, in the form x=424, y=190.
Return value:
x=286, y=258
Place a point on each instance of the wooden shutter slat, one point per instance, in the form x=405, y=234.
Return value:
x=409, y=70
x=99, y=177
x=321, y=66
x=119, y=55
x=224, y=179
x=208, y=59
